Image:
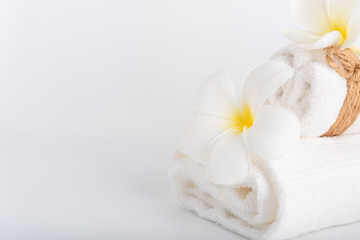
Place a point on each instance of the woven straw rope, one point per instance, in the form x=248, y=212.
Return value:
x=347, y=64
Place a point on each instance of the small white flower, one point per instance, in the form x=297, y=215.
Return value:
x=329, y=22
x=227, y=128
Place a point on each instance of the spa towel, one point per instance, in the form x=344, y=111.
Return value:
x=315, y=93
x=313, y=186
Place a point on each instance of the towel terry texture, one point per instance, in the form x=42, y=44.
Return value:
x=313, y=186
x=315, y=93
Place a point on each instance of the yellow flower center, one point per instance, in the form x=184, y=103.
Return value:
x=342, y=30
x=341, y=26
x=242, y=118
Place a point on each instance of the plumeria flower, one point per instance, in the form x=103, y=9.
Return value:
x=226, y=128
x=329, y=23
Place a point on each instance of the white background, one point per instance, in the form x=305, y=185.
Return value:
x=94, y=96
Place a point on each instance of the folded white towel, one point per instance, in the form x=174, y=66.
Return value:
x=316, y=92
x=314, y=186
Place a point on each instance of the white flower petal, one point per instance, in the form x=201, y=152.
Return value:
x=355, y=49
x=312, y=14
x=227, y=160
x=331, y=38
x=275, y=130
x=299, y=36
x=262, y=81
x=200, y=132
x=216, y=95
x=353, y=30
x=340, y=11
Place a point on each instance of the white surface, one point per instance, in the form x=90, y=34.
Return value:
x=94, y=96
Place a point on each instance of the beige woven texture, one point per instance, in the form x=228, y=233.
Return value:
x=347, y=64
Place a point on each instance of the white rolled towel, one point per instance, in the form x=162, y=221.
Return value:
x=315, y=93
x=313, y=186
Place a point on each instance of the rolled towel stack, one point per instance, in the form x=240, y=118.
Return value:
x=253, y=173
x=313, y=186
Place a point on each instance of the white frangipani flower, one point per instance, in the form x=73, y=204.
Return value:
x=226, y=129
x=329, y=23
